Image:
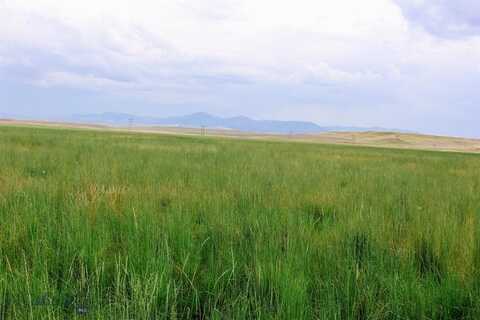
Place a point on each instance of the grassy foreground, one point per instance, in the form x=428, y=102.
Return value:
x=102, y=225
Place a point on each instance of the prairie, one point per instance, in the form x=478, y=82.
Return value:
x=124, y=225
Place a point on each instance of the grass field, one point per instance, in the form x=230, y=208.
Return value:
x=101, y=225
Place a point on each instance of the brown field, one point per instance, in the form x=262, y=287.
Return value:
x=372, y=139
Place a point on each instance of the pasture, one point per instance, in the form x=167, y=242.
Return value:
x=112, y=225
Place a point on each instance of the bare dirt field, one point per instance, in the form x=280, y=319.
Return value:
x=372, y=139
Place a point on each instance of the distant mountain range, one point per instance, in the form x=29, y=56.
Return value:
x=202, y=119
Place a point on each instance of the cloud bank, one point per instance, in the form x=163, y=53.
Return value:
x=444, y=18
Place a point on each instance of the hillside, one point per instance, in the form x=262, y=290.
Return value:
x=366, y=138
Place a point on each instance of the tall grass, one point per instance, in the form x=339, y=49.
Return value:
x=126, y=226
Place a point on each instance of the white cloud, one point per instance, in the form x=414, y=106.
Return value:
x=236, y=35
x=68, y=79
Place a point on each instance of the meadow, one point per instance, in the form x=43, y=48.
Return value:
x=102, y=225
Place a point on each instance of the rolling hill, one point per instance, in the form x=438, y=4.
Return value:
x=202, y=119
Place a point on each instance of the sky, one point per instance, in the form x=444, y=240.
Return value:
x=407, y=64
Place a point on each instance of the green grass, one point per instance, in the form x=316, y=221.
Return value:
x=98, y=225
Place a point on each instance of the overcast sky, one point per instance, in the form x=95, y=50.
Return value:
x=409, y=64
